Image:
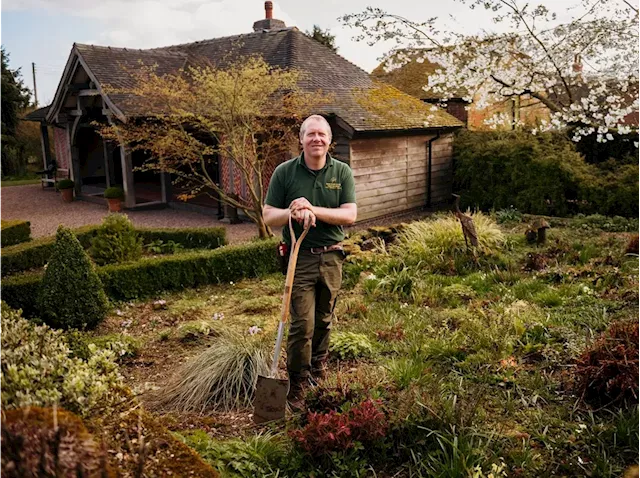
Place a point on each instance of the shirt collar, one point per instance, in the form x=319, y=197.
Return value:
x=328, y=164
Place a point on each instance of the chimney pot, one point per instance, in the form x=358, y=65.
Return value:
x=268, y=10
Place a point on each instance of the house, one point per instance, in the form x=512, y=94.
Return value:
x=413, y=75
x=399, y=164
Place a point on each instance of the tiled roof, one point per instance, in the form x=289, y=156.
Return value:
x=37, y=115
x=286, y=48
x=411, y=77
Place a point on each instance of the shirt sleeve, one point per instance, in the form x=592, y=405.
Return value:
x=276, y=192
x=348, y=194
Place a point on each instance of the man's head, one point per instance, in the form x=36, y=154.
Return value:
x=315, y=136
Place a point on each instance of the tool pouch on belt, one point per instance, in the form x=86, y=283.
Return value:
x=283, y=256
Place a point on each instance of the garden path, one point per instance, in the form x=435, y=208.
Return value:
x=46, y=210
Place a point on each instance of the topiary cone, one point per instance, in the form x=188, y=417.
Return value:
x=71, y=293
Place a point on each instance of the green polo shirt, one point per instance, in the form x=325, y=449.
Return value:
x=329, y=187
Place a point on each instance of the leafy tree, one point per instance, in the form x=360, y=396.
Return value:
x=245, y=115
x=585, y=71
x=15, y=98
x=323, y=36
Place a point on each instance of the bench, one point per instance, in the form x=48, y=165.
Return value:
x=52, y=176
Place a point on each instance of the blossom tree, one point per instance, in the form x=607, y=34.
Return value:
x=584, y=70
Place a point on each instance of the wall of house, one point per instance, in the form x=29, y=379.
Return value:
x=391, y=173
x=524, y=109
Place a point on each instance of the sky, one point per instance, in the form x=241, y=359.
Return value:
x=43, y=31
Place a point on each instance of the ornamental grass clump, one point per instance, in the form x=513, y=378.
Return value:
x=221, y=378
x=116, y=241
x=431, y=240
x=38, y=369
x=71, y=293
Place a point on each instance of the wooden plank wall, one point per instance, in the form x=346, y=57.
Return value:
x=391, y=173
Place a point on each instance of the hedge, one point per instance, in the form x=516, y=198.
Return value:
x=15, y=232
x=150, y=276
x=190, y=238
x=36, y=253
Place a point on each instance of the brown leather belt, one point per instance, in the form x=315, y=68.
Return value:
x=323, y=249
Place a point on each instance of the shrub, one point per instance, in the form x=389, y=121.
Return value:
x=510, y=214
x=604, y=223
x=264, y=454
x=71, y=294
x=160, y=247
x=349, y=345
x=37, y=370
x=15, y=232
x=608, y=370
x=223, y=377
x=327, y=432
x=65, y=184
x=536, y=174
x=194, y=330
x=83, y=345
x=114, y=192
x=189, y=238
x=632, y=245
x=116, y=241
x=47, y=442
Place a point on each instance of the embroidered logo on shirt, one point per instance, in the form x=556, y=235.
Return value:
x=333, y=184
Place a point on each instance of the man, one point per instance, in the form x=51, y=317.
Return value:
x=317, y=190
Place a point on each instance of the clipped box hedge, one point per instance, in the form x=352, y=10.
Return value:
x=190, y=238
x=150, y=276
x=14, y=232
x=35, y=254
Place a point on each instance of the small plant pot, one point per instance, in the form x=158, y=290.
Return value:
x=115, y=205
x=67, y=194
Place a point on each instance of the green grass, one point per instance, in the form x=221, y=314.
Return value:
x=19, y=182
x=471, y=357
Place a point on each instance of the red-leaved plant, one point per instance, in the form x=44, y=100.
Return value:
x=327, y=432
x=608, y=370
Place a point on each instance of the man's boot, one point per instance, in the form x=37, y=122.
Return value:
x=298, y=385
x=319, y=369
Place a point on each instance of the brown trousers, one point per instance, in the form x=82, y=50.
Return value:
x=315, y=290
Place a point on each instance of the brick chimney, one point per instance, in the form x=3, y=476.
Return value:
x=269, y=23
x=577, y=64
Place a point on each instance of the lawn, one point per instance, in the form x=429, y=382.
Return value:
x=19, y=182
x=500, y=361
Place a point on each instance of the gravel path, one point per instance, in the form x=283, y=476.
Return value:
x=46, y=210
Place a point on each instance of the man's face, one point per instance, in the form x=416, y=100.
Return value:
x=316, y=139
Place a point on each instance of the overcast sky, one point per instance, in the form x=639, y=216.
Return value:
x=43, y=31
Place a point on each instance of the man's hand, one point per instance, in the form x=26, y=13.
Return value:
x=304, y=217
x=300, y=203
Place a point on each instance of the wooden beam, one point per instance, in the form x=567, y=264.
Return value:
x=88, y=93
x=127, y=177
x=78, y=86
x=75, y=112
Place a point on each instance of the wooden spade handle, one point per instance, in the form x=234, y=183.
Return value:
x=291, y=269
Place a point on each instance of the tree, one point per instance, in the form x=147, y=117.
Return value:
x=585, y=71
x=245, y=115
x=71, y=293
x=15, y=98
x=322, y=36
